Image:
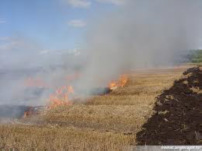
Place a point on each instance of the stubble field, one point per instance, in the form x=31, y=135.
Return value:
x=113, y=121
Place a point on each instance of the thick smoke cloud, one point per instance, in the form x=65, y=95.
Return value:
x=29, y=74
x=141, y=34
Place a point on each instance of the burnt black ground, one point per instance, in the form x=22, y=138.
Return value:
x=18, y=111
x=12, y=111
x=177, y=119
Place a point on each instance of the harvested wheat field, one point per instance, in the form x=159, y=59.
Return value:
x=155, y=107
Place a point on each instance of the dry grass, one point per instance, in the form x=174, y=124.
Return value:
x=106, y=122
x=114, y=118
x=59, y=138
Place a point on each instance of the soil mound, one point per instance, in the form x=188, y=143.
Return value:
x=177, y=119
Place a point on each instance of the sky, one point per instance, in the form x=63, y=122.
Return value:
x=31, y=27
x=32, y=31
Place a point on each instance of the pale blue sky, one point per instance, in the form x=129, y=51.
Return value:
x=48, y=21
x=31, y=26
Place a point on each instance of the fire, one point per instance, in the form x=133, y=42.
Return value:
x=123, y=79
x=26, y=114
x=29, y=112
x=61, y=97
x=64, y=95
x=113, y=85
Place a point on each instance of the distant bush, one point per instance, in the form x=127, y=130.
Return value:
x=196, y=56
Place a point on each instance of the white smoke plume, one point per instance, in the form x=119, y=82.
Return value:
x=140, y=34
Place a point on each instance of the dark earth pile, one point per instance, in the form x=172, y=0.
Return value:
x=178, y=114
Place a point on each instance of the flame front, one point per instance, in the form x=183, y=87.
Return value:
x=64, y=95
x=61, y=97
x=123, y=79
x=27, y=113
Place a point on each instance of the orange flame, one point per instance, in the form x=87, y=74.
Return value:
x=123, y=79
x=61, y=97
x=28, y=113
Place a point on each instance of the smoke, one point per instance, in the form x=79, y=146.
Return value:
x=140, y=34
x=29, y=74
